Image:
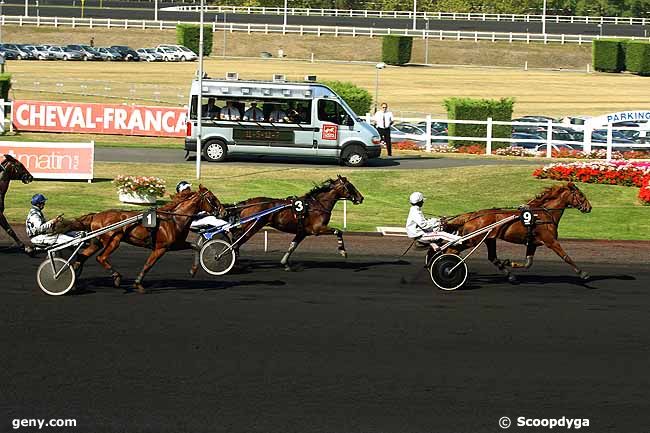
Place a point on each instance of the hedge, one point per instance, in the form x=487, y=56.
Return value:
x=188, y=35
x=479, y=109
x=637, y=57
x=5, y=85
x=396, y=50
x=359, y=99
x=608, y=55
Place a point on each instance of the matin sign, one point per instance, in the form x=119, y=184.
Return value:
x=75, y=117
x=53, y=160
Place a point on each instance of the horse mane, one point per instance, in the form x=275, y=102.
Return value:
x=325, y=186
x=546, y=192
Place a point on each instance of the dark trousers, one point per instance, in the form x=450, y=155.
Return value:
x=384, y=133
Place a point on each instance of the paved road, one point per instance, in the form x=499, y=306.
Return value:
x=359, y=346
x=116, y=154
x=145, y=11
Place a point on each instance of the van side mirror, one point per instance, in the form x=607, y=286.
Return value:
x=349, y=121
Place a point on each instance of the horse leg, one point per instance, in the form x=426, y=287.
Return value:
x=491, y=245
x=557, y=249
x=5, y=225
x=339, y=241
x=95, y=245
x=292, y=247
x=530, y=254
x=153, y=258
x=102, y=259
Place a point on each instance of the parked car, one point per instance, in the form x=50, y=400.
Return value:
x=8, y=54
x=528, y=145
x=128, y=53
x=62, y=53
x=167, y=54
x=408, y=131
x=184, y=54
x=40, y=52
x=88, y=52
x=21, y=53
x=437, y=128
x=109, y=54
x=150, y=55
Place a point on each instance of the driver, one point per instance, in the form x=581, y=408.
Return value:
x=424, y=230
x=39, y=229
x=204, y=220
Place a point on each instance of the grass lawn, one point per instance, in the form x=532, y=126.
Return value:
x=616, y=212
x=406, y=89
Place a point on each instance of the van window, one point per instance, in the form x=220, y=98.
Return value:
x=331, y=111
x=281, y=110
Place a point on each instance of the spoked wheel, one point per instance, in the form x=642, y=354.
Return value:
x=217, y=257
x=52, y=284
x=445, y=273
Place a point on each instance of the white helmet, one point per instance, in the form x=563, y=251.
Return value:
x=416, y=197
x=182, y=186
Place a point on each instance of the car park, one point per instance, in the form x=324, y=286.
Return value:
x=62, y=53
x=40, y=52
x=8, y=54
x=109, y=54
x=21, y=53
x=183, y=53
x=128, y=53
x=149, y=54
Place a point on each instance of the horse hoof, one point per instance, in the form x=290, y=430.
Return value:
x=193, y=271
x=117, y=280
x=343, y=253
x=139, y=289
x=584, y=275
x=287, y=268
x=31, y=252
x=512, y=279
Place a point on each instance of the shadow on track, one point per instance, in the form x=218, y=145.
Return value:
x=250, y=266
x=87, y=285
x=534, y=280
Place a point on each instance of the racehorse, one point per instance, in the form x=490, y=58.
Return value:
x=170, y=233
x=12, y=169
x=311, y=219
x=549, y=205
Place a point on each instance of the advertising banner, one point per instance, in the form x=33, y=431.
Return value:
x=46, y=116
x=53, y=160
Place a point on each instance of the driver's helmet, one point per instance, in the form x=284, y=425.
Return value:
x=182, y=186
x=38, y=199
x=416, y=197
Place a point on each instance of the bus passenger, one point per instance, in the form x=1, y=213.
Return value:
x=277, y=115
x=230, y=112
x=254, y=113
x=210, y=109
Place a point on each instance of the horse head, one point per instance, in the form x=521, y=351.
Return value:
x=210, y=203
x=347, y=190
x=576, y=198
x=15, y=170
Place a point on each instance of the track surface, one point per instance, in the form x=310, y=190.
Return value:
x=363, y=345
x=145, y=11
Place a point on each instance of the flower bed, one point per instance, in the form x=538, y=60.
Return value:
x=143, y=185
x=610, y=173
x=644, y=192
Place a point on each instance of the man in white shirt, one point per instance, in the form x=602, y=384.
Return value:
x=230, y=112
x=277, y=115
x=383, y=121
x=39, y=229
x=254, y=113
x=424, y=230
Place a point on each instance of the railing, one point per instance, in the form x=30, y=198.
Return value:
x=363, y=13
x=456, y=35
x=4, y=106
x=586, y=145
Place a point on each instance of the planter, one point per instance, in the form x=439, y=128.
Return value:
x=135, y=198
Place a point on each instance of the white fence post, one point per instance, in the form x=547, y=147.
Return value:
x=488, y=136
x=2, y=115
x=549, y=139
x=586, y=139
x=609, y=142
x=345, y=214
x=428, y=133
x=266, y=240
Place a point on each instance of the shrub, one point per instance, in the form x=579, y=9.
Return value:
x=608, y=55
x=5, y=85
x=188, y=35
x=396, y=50
x=479, y=109
x=358, y=98
x=637, y=57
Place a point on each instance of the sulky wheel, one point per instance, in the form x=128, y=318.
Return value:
x=217, y=257
x=442, y=274
x=60, y=285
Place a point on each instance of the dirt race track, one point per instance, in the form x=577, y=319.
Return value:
x=358, y=345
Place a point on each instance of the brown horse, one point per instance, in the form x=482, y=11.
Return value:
x=12, y=169
x=549, y=207
x=313, y=221
x=170, y=234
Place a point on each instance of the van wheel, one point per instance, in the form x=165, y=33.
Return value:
x=354, y=156
x=215, y=151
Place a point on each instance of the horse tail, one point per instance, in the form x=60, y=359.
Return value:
x=82, y=223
